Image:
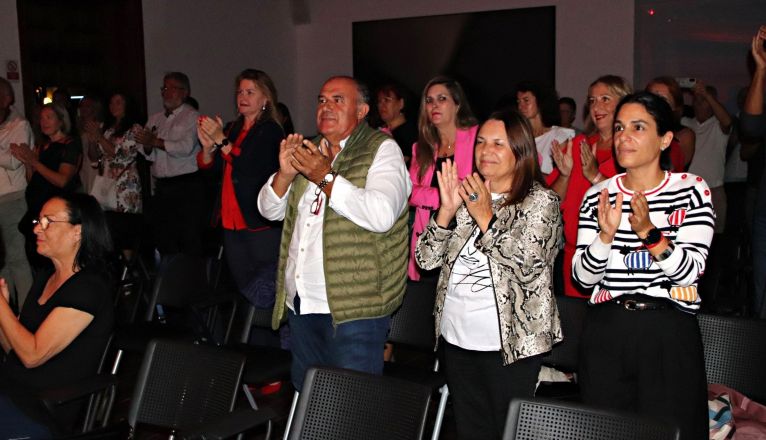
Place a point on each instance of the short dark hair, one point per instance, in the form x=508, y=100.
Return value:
x=522, y=143
x=547, y=101
x=399, y=91
x=362, y=91
x=95, y=239
x=181, y=78
x=660, y=111
x=570, y=102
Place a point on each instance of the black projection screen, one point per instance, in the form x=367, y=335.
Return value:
x=489, y=52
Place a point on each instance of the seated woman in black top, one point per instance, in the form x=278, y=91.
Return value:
x=62, y=330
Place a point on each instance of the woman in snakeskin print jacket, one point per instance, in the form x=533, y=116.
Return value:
x=495, y=237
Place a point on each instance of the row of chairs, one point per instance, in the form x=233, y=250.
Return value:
x=189, y=390
x=731, y=356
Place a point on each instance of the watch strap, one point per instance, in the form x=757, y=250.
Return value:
x=324, y=181
x=653, y=237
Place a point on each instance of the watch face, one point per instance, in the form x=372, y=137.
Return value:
x=329, y=177
x=653, y=236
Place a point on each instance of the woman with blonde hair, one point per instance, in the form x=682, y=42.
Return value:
x=446, y=130
x=584, y=161
x=248, y=151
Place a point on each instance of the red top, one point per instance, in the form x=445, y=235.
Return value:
x=676, y=156
x=570, y=206
x=231, y=215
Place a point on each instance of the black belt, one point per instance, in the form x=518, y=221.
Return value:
x=642, y=302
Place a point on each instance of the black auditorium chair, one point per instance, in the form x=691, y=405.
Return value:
x=265, y=364
x=189, y=307
x=187, y=390
x=341, y=404
x=734, y=353
x=412, y=328
x=85, y=405
x=565, y=355
x=544, y=419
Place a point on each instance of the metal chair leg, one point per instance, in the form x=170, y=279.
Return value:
x=292, y=413
x=444, y=390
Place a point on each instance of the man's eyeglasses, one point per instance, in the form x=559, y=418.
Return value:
x=165, y=89
x=316, y=205
x=46, y=221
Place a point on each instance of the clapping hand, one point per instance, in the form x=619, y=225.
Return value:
x=449, y=187
x=609, y=216
x=562, y=156
x=286, y=148
x=757, y=48
x=210, y=132
x=588, y=159
x=314, y=163
x=23, y=154
x=478, y=199
x=639, y=219
x=146, y=137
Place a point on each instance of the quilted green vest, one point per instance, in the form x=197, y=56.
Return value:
x=365, y=272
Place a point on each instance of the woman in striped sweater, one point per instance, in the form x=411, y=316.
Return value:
x=642, y=241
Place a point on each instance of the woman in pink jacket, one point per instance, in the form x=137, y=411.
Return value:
x=446, y=130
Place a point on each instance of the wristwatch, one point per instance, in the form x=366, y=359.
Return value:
x=664, y=255
x=222, y=144
x=652, y=237
x=329, y=177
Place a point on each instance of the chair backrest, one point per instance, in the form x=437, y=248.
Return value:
x=348, y=405
x=734, y=353
x=413, y=323
x=248, y=317
x=181, y=384
x=180, y=280
x=565, y=354
x=542, y=419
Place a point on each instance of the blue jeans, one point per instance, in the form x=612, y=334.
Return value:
x=15, y=424
x=356, y=345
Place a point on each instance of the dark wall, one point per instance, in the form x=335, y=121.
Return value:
x=87, y=46
x=489, y=52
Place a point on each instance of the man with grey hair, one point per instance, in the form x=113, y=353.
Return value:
x=343, y=258
x=14, y=130
x=170, y=142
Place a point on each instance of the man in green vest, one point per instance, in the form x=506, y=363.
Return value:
x=343, y=257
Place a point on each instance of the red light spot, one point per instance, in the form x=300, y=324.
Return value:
x=650, y=11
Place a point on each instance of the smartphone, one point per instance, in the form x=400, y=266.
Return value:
x=686, y=82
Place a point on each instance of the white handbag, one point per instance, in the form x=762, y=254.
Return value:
x=104, y=189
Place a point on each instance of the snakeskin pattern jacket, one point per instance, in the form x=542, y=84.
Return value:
x=521, y=244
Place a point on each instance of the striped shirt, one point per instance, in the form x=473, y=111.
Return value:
x=681, y=207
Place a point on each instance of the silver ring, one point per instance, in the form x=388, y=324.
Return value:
x=474, y=196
